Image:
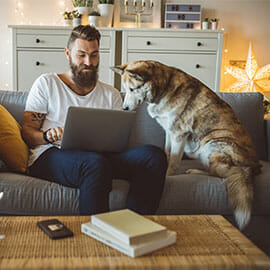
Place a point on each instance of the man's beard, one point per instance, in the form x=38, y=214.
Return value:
x=81, y=77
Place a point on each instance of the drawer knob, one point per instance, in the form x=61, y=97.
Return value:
x=198, y=66
x=37, y=63
x=148, y=43
x=37, y=40
x=199, y=44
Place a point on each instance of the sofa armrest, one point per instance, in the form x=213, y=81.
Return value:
x=267, y=134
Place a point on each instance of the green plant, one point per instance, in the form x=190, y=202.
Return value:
x=215, y=20
x=206, y=20
x=82, y=3
x=68, y=15
x=266, y=106
x=106, y=2
x=76, y=14
x=94, y=13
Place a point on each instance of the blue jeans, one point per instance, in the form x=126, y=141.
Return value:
x=143, y=166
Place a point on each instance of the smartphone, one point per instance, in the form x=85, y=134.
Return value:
x=54, y=229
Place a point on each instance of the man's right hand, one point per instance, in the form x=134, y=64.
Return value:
x=54, y=134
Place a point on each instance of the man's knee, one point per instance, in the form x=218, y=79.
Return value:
x=156, y=156
x=96, y=166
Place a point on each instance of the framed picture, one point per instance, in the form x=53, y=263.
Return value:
x=124, y=16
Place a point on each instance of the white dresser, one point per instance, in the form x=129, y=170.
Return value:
x=40, y=49
x=196, y=52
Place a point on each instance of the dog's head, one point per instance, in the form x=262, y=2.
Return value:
x=137, y=83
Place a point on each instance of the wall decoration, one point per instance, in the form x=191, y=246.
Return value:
x=252, y=78
x=186, y=16
x=137, y=13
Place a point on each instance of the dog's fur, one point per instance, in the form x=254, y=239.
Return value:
x=197, y=122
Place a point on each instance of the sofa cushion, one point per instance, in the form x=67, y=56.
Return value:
x=203, y=194
x=248, y=107
x=13, y=150
x=14, y=102
x=25, y=195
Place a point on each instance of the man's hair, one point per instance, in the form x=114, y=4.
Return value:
x=85, y=32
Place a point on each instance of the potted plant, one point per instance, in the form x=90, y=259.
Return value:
x=94, y=18
x=214, y=23
x=83, y=6
x=205, y=23
x=77, y=18
x=68, y=18
x=105, y=8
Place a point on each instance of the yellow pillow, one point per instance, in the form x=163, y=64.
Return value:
x=13, y=150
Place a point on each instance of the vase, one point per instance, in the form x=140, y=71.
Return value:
x=77, y=22
x=214, y=25
x=83, y=10
x=204, y=25
x=106, y=12
x=94, y=20
x=68, y=22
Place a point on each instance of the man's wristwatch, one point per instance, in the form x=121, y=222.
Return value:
x=45, y=136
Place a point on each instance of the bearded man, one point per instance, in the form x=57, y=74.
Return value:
x=46, y=107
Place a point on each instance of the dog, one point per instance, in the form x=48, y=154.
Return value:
x=198, y=123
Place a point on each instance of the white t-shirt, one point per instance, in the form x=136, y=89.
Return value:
x=51, y=96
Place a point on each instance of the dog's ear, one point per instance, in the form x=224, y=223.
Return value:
x=134, y=75
x=119, y=69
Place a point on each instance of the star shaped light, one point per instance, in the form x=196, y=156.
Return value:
x=252, y=78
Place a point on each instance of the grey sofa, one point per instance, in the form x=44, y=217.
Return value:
x=183, y=193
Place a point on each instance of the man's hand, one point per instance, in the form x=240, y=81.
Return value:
x=54, y=134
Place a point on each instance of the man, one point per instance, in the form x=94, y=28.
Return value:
x=46, y=107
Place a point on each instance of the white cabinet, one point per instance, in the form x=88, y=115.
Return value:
x=194, y=51
x=40, y=49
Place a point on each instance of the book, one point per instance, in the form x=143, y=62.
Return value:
x=130, y=250
x=128, y=226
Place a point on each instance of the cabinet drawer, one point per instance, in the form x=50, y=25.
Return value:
x=201, y=66
x=42, y=41
x=31, y=64
x=172, y=43
x=52, y=41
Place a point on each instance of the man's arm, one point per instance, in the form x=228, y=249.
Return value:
x=31, y=132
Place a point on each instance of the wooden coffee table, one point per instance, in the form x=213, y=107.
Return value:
x=203, y=242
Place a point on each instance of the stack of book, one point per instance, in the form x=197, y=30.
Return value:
x=128, y=232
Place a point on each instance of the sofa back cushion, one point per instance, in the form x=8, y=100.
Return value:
x=247, y=106
x=14, y=102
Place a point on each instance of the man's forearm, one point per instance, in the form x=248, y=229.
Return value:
x=33, y=137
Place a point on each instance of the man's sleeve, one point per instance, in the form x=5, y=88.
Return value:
x=37, y=100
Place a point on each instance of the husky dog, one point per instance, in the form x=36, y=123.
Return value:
x=198, y=123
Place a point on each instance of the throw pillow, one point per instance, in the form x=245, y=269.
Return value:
x=13, y=150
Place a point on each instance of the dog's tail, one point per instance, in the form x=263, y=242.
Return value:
x=239, y=182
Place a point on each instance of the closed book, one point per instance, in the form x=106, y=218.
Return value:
x=128, y=226
x=130, y=250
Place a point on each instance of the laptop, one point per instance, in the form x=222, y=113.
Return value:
x=97, y=130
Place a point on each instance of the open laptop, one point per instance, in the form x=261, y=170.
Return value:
x=97, y=130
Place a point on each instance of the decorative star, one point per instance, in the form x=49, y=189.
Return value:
x=252, y=78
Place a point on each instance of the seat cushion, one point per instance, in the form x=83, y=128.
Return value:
x=203, y=194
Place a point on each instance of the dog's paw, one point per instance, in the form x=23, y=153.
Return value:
x=196, y=171
x=170, y=172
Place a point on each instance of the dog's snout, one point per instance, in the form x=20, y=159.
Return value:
x=126, y=108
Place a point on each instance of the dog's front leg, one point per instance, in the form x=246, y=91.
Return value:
x=177, y=151
x=168, y=145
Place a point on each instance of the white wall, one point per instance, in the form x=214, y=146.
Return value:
x=245, y=20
